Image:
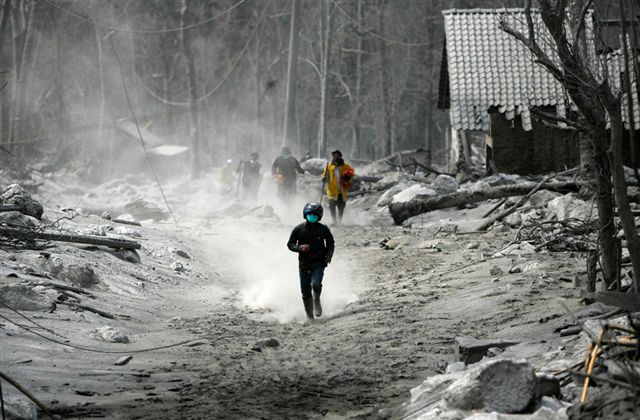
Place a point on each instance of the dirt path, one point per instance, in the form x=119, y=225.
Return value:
x=390, y=320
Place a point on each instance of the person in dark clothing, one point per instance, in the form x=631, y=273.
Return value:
x=314, y=244
x=284, y=170
x=249, y=171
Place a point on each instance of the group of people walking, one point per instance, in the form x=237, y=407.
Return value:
x=245, y=179
x=312, y=240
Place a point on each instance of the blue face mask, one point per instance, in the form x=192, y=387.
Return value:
x=312, y=218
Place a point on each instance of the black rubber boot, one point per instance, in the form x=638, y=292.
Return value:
x=308, y=307
x=317, y=307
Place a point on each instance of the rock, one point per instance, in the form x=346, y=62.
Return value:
x=16, y=218
x=387, y=196
x=94, y=230
x=15, y=195
x=569, y=206
x=519, y=249
x=127, y=231
x=456, y=367
x=410, y=193
x=270, y=343
x=473, y=245
x=531, y=267
x=18, y=407
x=181, y=253
x=123, y=360
x=132, y=256
x=471, y=350
x=496, y=271
x=542, y=197
x=547, y=385
x=81, y=275
x=501, y=385
x=106, y=215
x=445, y=184
x=111, y=335
x=476, y=186
x=263, y=212
x=177, y=267
x=126, y=217
x=23, y=298
x=315, y=166
x=514, y=219
x=394, y=243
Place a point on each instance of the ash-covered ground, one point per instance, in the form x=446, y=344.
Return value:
x=220, y=280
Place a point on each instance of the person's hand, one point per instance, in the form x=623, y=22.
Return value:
x=304, y=248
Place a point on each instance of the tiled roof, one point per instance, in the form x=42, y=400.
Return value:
x=489, y=68
x=616, y=68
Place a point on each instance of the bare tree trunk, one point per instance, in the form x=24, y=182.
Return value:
x=14, y=77
x=19, y=118
x=192, y=89
x=292, y=76
x=6, y=109
x=167, y=59
x=357, y=92
x=325, y=49
x=101, y=77
x=63, y=126
x=384, y=131
x=620, y=188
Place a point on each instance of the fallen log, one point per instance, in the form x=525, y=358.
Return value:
x=30, y=235
x=425, y=203
x=367, y=178
x=88, y=308
x=513, y=208
x=9, y=208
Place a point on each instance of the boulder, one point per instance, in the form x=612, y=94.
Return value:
x=16, y=218
x=315, y=166
x=78, y=274
x=500, y=385
x=542, y=197
x=387, y=196
x=570, y=206
x=445, y=184
x=23, y=298
x=127, y=231
x=15, y=195
x=410, y=193
x=110, y=335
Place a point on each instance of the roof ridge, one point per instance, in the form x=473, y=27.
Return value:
x=478, y=11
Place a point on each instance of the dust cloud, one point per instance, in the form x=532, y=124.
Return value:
x=260, y=267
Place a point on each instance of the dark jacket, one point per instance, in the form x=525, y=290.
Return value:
x=286, y=166
x=250, y=172
x=320, y=241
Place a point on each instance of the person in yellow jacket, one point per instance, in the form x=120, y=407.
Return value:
x=337, y=175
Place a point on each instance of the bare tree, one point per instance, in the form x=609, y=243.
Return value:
x=590, y=89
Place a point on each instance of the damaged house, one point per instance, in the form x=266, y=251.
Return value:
x=493, y=88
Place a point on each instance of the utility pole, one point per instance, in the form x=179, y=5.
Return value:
x=292, y=76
